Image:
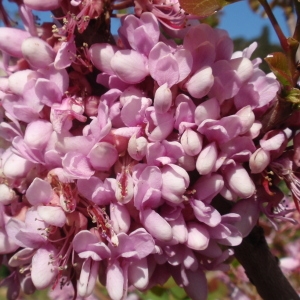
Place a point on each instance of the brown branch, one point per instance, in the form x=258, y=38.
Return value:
x=269, y=12
x=262, y=267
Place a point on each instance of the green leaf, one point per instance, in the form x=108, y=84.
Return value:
x=293, y=96
x=204, y=8
x=278, y=63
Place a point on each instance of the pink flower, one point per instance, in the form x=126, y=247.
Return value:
x=168, y=67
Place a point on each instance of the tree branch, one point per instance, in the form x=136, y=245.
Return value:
x=262, y=267
x=260, y=264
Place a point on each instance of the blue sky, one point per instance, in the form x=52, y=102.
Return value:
x=238, y=19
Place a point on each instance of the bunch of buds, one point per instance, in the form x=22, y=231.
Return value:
x=113, y=153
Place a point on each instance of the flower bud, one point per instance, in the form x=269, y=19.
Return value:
x=37, y=52
x=42, y=5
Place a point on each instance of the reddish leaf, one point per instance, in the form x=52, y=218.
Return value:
x=204, y=8
x=278, y=63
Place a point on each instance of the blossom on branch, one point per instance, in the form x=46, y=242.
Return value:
x=112, y=159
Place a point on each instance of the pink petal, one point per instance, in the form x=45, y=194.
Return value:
x=88, y=277
x=130, y=66
x=239, y=181
x=77, y=165
x=48, y=92
x=185, y=61
x=18, y=80
x=101, y=55
x=166, y=71
x=43, y=272
x=103, y=156
x=243, y=67
x=11, y=40
x=138, y=273
x=198, y=236
x=207, y=187
x=175, y=181
x=65, y=55
x=37, y=52
x=52, y=215
x=200, y=83
x=115, y=281
x=120, y=218
x=209, y=109
x=137, y=147
x=16, y=166
x=44, y=5
x=157, y=226
x=247, y=118
x=196, y=287
x=163, y=99
x=249, y=211
x=191, y=142
x=38, y=133
x=39, y=192
x=259, y=160
x=207, y=159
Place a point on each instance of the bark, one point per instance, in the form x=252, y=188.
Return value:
x=262, y=267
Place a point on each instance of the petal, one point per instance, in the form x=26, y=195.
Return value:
x=38, y=133
x=209, y=109
x=207, y=187
x=191, y=142
x=37, y=52
x=138, y=273
x=200, y=83
x=101, y=55
x=259, y=160
x=197, y=285
x=120, y=217
x=198, y=236
x=88, y=277
x=207, y=159
x=129, y=66
x=48, y=92
x=175, y=181
x=185, y=61
x=239, y=181
x=44, y=5
x=43, y=272
x=163, y=99
x=65, y=55
x=39, y=192
x=249, y=211
x=52, y=215
x=11, y=40
x=115, y=281
x=103, y=156
x=77, y=165
x=157, y=226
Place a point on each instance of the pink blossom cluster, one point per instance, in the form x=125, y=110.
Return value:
x=119, y=185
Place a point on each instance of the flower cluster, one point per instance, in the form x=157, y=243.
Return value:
x=118, y=185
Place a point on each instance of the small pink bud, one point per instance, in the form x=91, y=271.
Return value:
x=137, y=147
x=42, y=5
x=103, y=156
x=259, y=160
x=11, y=40
x=191, y=142
x=7, y=195
x=38, y=53
x=207, y=159
x=163, y=99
